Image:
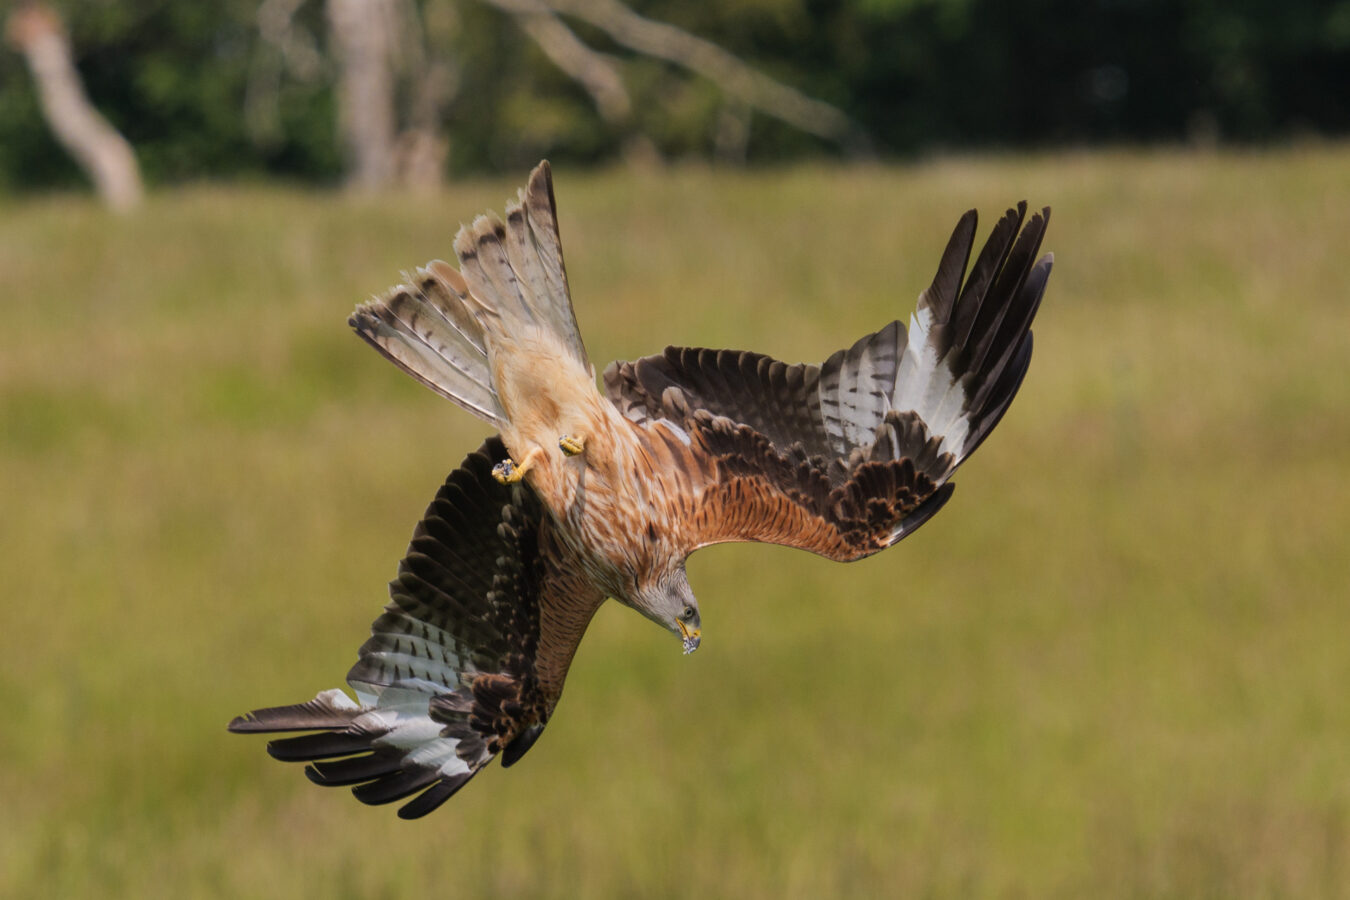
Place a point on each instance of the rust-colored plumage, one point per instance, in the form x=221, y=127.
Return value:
x=585, y=495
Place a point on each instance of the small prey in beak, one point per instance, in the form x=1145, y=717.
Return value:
x=690, y=636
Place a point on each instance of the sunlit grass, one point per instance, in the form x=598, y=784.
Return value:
x=1115, y=665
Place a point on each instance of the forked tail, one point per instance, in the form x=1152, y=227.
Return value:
x=439, y=327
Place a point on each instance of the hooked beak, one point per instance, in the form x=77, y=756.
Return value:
x=690, y=637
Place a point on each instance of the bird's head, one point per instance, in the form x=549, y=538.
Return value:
x=668, y=600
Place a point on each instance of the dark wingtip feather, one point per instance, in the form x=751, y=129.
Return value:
x=981, y=281
x=925, y=511
x=323, y=745
x=522, y=742
x=431, y=799
x=353, y=770
x=394, y=786
x=312, y=714
x=942, y=293
x=995, y=333
x=1009, y=383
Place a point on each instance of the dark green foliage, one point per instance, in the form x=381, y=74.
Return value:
x=919, y=75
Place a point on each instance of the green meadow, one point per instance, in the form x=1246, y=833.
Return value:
x=1116, y=665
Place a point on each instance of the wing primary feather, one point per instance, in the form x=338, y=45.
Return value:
x=941, y=294
x=431, y=799
x=394, y=786
x=992, y=412
x=987, y=265
x=352, y=770
x=923, y=512
x=322, y=745
x=330, y=709
x=520, y=744
x=987, y=329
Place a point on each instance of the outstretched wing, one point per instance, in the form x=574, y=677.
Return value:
x=467, y=660
x=848, y=457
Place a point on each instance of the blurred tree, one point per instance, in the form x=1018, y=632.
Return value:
x=363, y=39
x=241, y=87
x=367, y=43
x=37, y=32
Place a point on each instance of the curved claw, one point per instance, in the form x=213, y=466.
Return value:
x=571, y=444
x=507, y=472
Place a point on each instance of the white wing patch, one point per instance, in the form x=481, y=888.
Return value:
x=927, y=385
x=400, y=715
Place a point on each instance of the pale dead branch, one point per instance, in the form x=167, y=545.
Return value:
x=663, y=41
x=99, y=149
x=594, y=71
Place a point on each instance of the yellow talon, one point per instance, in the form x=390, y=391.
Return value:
x=571, y=445
x=507, y=472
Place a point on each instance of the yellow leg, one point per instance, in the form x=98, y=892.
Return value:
x=571, y=444
x=507, y=472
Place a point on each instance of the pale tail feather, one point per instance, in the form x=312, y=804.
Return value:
x=514, y=269
x=430, y=329
x=438, y=328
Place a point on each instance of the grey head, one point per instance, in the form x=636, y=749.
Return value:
x=667, y=599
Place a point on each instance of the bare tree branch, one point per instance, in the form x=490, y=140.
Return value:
x=373, y=52
x=592, y=70
x=103, y=153
x=754, y=88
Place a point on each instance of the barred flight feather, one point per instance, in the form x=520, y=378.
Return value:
x=426, y=330
x=447, y=678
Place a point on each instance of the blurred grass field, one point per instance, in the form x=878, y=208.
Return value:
x=1116, y=665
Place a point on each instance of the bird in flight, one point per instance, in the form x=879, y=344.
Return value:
x=584, y=495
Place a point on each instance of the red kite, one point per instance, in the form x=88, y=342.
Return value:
x=588, y=495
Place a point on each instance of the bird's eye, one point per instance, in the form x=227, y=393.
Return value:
x=688, y=613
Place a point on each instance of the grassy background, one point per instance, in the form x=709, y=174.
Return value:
x=1115, y=665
